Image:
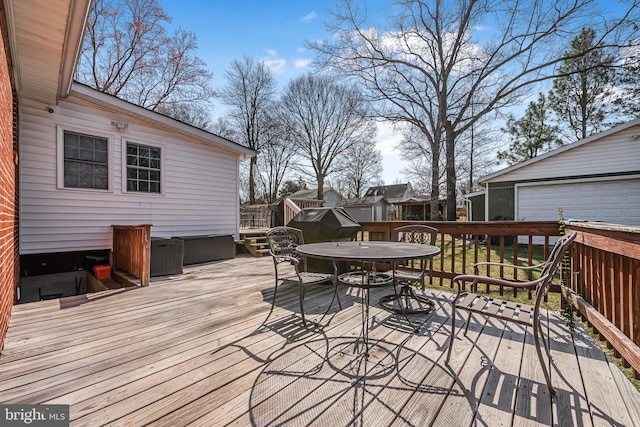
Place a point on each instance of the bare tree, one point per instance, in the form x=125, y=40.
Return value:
x=275, y=158
x=475, y=154
x=431, y=66
x=420, y=147
x=195, y=115
x=126, y=52
x=324, y=118
x=357, y=168
x=250, y=92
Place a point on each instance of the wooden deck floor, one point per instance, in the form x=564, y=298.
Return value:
x=187, y=351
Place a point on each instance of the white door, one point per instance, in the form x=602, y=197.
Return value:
x=614, y=202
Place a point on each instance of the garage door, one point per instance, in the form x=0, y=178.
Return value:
x=615, y=202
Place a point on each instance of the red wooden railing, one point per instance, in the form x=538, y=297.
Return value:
x=603, y=277
x=606, y=285
x=461, y=242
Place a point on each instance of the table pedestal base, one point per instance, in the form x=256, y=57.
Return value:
x=407, y=302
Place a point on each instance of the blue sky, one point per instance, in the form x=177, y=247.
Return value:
x=274, y=31
x=271, y=30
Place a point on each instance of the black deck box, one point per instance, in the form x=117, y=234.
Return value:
x=167, y=256
x=207, y=248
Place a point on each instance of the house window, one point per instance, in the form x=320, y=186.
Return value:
x=143, y=168
x=86, y=161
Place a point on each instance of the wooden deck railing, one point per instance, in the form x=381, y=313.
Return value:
x=604, y=267
x=606, y=285
x=255, y=216
x=293, y=206
x=464, y=243
x=132, y=250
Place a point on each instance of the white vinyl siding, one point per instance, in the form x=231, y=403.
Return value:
x=199, y=195
x=615, y=153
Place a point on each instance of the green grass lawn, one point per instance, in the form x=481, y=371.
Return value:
x=465, y=263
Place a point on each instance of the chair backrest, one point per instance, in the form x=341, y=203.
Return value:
x=283, y=242
x=553, y=262
x=416, y=234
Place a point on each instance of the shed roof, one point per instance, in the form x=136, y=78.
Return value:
x=395, y=192
x=365, y=201
x=311, y=194
x=568, y=149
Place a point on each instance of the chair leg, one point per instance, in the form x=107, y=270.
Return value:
x=453, y=332
x=466, y=327
x=335, y=296
x=544, y=341
x=536, y=338
x=273, y=303
x=301, y=296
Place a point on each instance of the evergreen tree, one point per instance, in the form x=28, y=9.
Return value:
x=531, y=135
x=628, y=100
x=582, y=96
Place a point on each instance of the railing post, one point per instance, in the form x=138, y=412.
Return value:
x=132, y=250
x=290, y=210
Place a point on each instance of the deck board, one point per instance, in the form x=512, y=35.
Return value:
x=194, y=349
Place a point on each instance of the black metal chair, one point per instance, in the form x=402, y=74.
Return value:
x=522, y=314
x=407, y=278
x=283, y=242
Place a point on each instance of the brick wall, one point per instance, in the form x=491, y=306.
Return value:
x=9, y=264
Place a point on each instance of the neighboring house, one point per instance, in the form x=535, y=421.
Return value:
x=394, y=194
x=371, y=208
x=330, y=197
x=418, y=208
x=475, y=202
x=88, y=160
x=594, y=179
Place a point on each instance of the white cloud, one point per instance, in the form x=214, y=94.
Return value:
x=275, y=65
x=302, y=63
x=309, y=17
x=274, y=62
x=387, y=141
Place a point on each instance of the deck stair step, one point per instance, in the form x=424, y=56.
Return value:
x=255, y=241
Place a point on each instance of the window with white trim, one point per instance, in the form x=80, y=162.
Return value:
x=143, y=168
x=86, y=161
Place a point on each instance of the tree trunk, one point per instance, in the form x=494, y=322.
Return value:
x=451, y=170
x=320, y=179
x=434, y=214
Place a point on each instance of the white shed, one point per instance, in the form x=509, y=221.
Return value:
x=594, y=179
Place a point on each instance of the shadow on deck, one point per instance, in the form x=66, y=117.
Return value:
x=193, y=349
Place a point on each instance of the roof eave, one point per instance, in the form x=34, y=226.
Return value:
x=76, y=24
x=117, y=105
x=483, y=180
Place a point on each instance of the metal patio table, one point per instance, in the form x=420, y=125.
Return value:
x=367, y=254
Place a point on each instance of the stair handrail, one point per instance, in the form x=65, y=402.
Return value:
x=290, y=209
